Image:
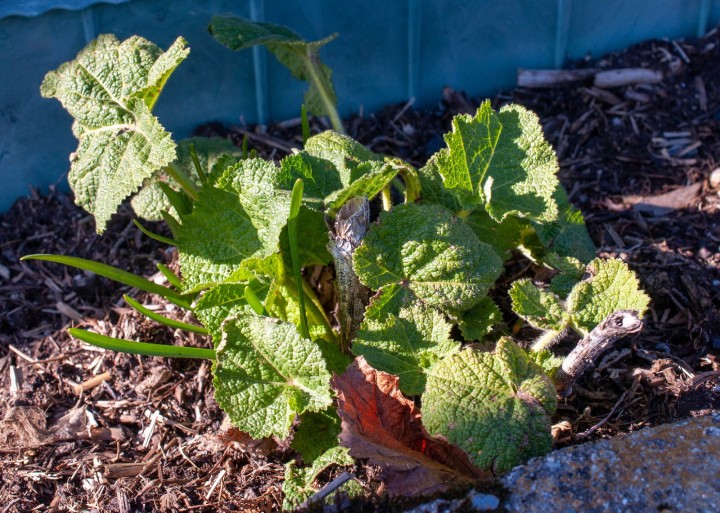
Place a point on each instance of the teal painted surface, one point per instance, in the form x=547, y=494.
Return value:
x=387, y=51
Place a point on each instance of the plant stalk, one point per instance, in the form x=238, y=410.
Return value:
x=588, y=350
x=324, y=96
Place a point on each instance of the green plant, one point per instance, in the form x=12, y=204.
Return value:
x=245, y=227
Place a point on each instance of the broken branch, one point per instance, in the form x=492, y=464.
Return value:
x=588, y=350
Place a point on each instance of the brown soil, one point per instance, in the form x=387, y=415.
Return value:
x=618, y=149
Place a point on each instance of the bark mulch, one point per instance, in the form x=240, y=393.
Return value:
x=89, y=430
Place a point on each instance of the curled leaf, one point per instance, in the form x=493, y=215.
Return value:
x=380, y=424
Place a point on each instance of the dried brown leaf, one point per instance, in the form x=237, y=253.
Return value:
x=383, y=426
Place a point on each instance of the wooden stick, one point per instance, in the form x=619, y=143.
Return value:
x=92, y=382
x=552, y=77
x=627, y=76
x=327, y=489
x=588, y=350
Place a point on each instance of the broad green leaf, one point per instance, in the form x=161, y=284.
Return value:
x=313, y=237
x=612, y=286
x=547, y=361
x=567, y=235
x=266, y=373
x=211, y=151
x=433, y=190
x=502, y=161
x=372, y=177
x=504, y=236
x=299, y=486
x=316, y=433
x=479, y=320
x=406, y=345
x=110, y=89
x=320, y=176
x=224, y=301
x=343, y=151
x=299, y=56
x=495, y=406
x=571, y=271
x=423, y=251
x=541, y=308
x=215, y=239
x=239, y=218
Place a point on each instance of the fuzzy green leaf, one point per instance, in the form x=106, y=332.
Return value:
x=319, y=175
x=266, y=373
x=494, y=406
x=224, y=301
x=344, y=152
x=541, y=308
x=479, y=320
x=241, y=217
x=299, y=56
x=504, y=236
x=612, y=286
x=502, y=161
x=547, y=361
x=214, y=155
x=110, y=89
x=298, y=485
x=371, y=178
x=406, y=345
x=317, y=433
x=567, y=235
x=423, y=251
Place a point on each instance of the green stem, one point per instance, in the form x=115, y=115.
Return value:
x=305, y=124
x=545, y=340
x=386, y=198
x=182, y=179
x=324, y=95
x=196, y=164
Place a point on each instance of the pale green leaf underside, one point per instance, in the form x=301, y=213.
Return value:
x=495, y=406
x=406, y=345
x=424, y=251
x=294, y=53
x=150, y=200
x=502, y=161
x=479, y=320
x=266, y=373
x=110, y=89
x=541, y=308
x=242, y=217
x=343, y=151
x=612, y=286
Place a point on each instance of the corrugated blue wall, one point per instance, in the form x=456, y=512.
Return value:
x=388, y=51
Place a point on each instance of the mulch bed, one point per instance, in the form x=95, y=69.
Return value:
x=641, y=161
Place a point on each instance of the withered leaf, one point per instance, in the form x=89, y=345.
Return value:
x=383, y=426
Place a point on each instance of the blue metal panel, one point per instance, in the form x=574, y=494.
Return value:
x=600, y=27
x=387, y=51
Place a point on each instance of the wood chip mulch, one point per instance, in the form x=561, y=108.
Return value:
x=89, y=430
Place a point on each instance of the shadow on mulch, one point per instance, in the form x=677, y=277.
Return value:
x=150, y=436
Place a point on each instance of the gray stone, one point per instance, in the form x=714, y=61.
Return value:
x=671, y=468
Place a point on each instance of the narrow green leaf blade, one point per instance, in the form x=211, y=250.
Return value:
x=495, y=406
x=115, y=274
x=144, y=348
x=172, y=323
x=292, y=225
x=266, y=373
x=110, y=89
